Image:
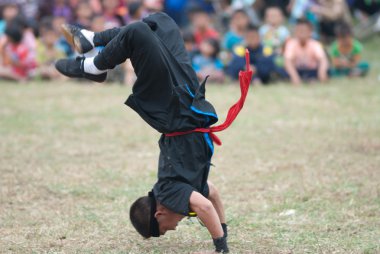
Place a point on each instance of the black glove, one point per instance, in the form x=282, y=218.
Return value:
x=221, y=245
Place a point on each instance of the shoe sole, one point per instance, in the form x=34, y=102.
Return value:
x=71, y=39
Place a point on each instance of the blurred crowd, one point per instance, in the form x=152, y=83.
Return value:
x=295, y=40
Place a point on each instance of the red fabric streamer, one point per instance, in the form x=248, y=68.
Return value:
x=245, y=80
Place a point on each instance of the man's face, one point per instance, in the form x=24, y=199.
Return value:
x=167, y=220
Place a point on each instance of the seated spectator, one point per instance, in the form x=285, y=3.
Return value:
x=281, y=4
x=273, y=33
x=367, y=8
x=190, y=45
x=48, y=51
x=305, y=58
x=83, y=14
x=111, y=15
x=61, y=8
x=202, y=26
x=207, y=61
x=297, y=9
x=135, y=12
x=302, y=9
x=346, y=53
x=57, y=22
x=264, y=63
x=238, y=25
x=9, y=12
x=330, y=13
x=16, y=63
x=153, y=5
x=95, y=5
x=367, y=13
x=98, y=23
x=28, y=34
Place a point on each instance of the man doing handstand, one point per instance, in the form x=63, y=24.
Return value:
x=167, y=95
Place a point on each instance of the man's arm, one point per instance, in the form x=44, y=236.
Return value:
x=215, y=199
x=207, y=214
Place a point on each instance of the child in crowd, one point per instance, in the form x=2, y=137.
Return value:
x=57, y=22
x=135, y=12
x=262, y=61
x=153, y=5
x=190, y=46
x=346, y=53
x=202, y=26
x=98, y=23
x=305, y=58
x=207, y=62
x=28, y=35
x=61, y=8
x=111, y=15
x=9, y=12
x=48, y=52
x=273, y=33
x=330, y=13
x=84, y=14
x=15, y=61
x=238, y=25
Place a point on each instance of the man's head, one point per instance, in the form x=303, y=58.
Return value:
x=152, y=219
x=303, y=30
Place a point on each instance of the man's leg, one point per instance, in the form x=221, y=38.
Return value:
x=104, y=37
x=83, y=40
x=136, y=42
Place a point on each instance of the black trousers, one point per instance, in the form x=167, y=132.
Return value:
x=155, y=48
x=162, y=66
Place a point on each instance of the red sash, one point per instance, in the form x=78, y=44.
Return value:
x=245, y=80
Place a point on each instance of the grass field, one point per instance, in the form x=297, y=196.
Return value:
x=299, y=170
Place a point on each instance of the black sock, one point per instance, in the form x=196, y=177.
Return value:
x=224, y=226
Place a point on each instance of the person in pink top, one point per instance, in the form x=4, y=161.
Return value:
x=305, y=58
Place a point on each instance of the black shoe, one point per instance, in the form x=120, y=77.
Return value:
x=73, y=68
x=76, y=39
